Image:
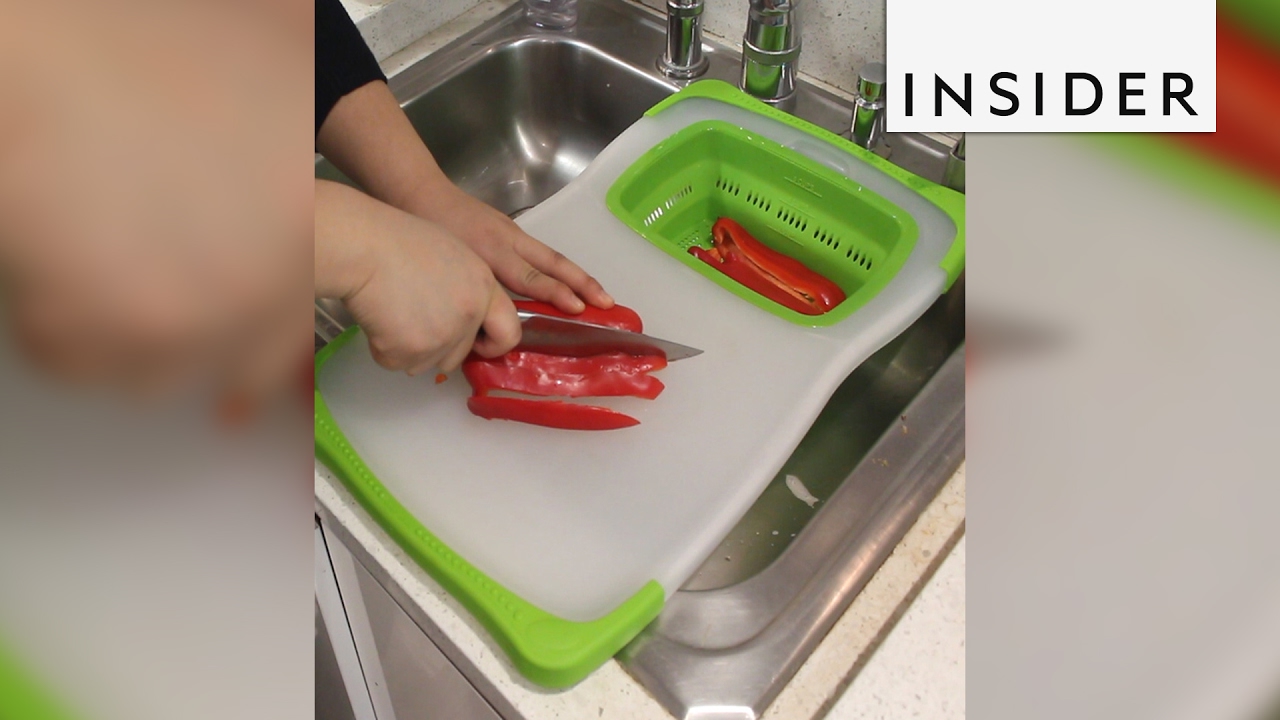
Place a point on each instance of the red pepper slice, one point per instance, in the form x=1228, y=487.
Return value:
x=623, y=318
x=611, y=375
x=748, y=277
x=752, y=263
x=549, y=413
x=791, y=274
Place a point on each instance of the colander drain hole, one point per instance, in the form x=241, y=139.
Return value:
x=666, y=205
x=759, y=201
x=728, y=186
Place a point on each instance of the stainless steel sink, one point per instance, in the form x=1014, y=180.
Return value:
x=513, y=114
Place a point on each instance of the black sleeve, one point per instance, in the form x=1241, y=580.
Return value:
x=343, y=61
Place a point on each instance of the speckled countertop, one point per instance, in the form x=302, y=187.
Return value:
x=919, y=669
x=897, y=652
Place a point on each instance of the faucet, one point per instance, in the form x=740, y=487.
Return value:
x=770, y=50
x=683, y=58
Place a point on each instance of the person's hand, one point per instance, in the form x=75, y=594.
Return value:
x=419, y=293
x=519, y=261
x=370, y=139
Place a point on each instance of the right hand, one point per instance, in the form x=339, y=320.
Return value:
x=419, y=293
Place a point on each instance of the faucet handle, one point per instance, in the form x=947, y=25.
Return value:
x=867, y=128
x=871, y=79
x=953, y=173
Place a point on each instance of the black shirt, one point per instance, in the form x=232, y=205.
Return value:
x=343, y=61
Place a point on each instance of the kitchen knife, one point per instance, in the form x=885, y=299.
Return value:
x=559, y=336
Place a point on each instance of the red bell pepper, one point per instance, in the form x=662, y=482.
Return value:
x=609, y=374
x=623, y=318
x=549, y=413
x=748, y=277
x=768, y=272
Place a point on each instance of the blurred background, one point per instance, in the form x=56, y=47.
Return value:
x=155, y=283
x=1124, y=411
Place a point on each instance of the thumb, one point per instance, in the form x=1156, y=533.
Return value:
x=500, y=330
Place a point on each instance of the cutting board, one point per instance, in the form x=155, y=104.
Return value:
x=566, y=543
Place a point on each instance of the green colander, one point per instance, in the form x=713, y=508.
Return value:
x=675, y=192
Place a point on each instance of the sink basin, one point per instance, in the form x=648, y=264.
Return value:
x=512, y=114
x=525, y=119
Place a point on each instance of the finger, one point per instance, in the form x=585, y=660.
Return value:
x=531, y=282
x=498, y=331
x=412, y=353
x=558, y=267
x=515, y=272
x=501, y=327
x=394, y=360
x=427, y=361
x=455, y=356
x=417, y=365
x=425, y=367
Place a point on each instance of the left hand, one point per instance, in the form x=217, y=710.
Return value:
x=521, y=263
x=369, y=138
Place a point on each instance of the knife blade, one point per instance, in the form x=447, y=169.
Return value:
x=560, y=336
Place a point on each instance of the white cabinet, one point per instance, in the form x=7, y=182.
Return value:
x=387, y=665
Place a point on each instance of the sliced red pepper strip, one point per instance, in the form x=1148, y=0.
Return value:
x=746, y=275
x=618, y=316
x=788, y=271
x=790, y=276
x=549, y=413
x=611, y=375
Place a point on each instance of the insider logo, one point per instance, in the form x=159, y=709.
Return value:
x=1015, y=66
x=1072, y=93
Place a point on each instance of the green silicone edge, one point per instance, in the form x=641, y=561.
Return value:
x=546, y=649
x=864, y=294
x=22, y=697
x=947, y=200
x=1261, y=16
x=1210, y=177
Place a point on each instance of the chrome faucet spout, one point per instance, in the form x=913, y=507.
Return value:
x=683, y=58
x=771, y=50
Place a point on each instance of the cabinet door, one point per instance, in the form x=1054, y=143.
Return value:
x=332, y=702
x=341, y=693
x=407, y=676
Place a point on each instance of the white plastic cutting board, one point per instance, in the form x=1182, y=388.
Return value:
x=576, y=522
